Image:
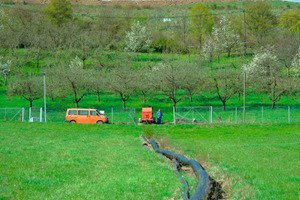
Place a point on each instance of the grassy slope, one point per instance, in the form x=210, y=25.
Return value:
x=60, y=161
x=266, y=157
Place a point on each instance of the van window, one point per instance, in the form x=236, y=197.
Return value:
x=92, y=112
x=83, y=112
x=72, y=112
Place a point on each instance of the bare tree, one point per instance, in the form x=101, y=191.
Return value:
x=27, y=86
x=168, y=78
x=193, y=79
x=225, y=81
x=121, y=81
x=98, y=80
x=143, y=83
x=286, y=49
x=75, y=80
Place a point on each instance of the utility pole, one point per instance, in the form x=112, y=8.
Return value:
x=244, y=97
x=245, y=46
x=45, y=109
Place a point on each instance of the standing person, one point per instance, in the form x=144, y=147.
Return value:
x=159, y=116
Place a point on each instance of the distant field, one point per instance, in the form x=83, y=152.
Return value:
x=62, y=161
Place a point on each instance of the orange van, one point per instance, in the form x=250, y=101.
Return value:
x=85, y=116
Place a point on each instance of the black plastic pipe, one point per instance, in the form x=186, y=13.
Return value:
x=204, y=181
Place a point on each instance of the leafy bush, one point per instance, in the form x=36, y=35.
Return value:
x=148, y=131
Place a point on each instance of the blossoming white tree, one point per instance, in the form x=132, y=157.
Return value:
x=4, y=69
x=138, y=39
x=266, y=72
x=226, y=38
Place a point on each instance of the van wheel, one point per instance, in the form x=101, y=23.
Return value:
x=72, y=122
x=99, y=122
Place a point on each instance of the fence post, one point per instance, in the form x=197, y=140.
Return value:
x=174, y=116
x=30, y=114
x=4, y=114
x=289, y=114
x=193, y=114
x=236, y=115
x=112, y=115
x=262, y=114
x=41, y=114
x=23, y=113
x=134, y=117
x=211, y=114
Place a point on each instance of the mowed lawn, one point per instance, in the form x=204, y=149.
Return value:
x=66, y=161
x=62, y=161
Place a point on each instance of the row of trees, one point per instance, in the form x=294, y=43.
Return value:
x=175, y=80
x=55, y=28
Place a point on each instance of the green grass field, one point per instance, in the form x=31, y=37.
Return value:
x=62, y=161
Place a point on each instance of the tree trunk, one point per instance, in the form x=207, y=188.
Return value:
x=144, y=97
x=224, y=105
x=288, y=71
x=239, y=96
x=191, y=98
x=228, y=54
x=30, y=104
x=76, y=103
x=98, y=96
x=137, y=56
x=5, y=79
x=124, y=106
x=38, y=59
x=273, y=104
x=83, y=63
x=52, y=99
x=218, y=58
x=174, y=105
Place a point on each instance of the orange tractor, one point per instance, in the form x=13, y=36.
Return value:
x=147, y=116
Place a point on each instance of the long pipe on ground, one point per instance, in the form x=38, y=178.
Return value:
x=186, y=186
x=204, y=181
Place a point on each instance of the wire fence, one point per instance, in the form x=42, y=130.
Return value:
x=182, y=115
x=235, y=115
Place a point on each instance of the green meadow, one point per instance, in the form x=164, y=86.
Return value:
x=66, y=161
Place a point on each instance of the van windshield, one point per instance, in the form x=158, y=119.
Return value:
x=99, y=112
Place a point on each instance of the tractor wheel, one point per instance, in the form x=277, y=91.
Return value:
x=72, y=122
x=99, y=122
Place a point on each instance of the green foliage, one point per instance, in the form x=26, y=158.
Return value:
x=202, y=20
x=166, y=44
x=59, y=11
x=148, y=131
x=291, y=20
x=259, y=20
